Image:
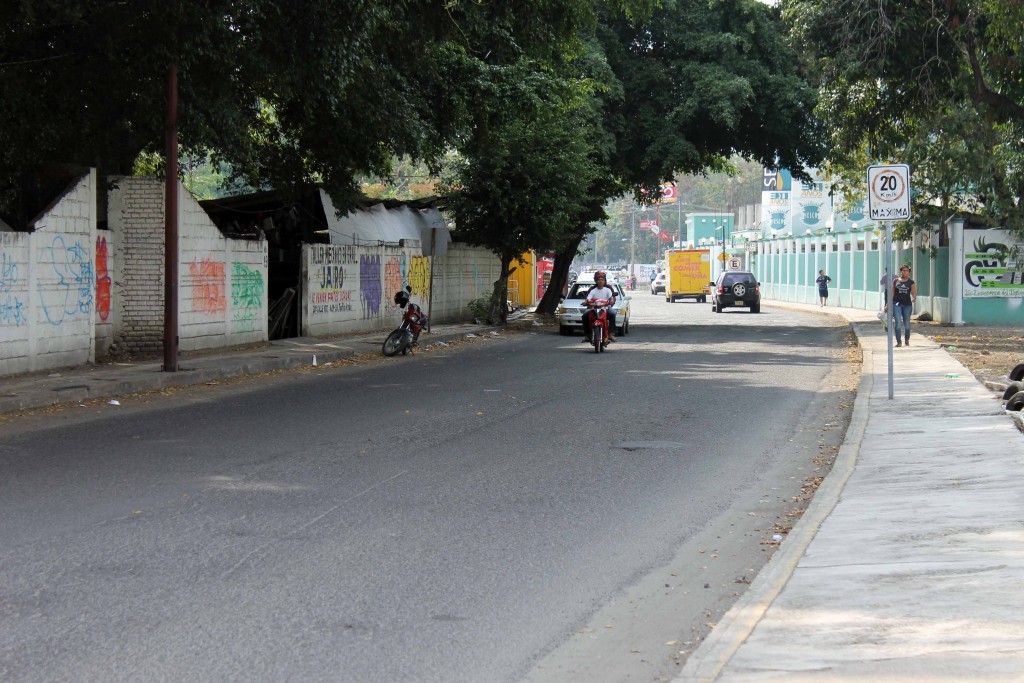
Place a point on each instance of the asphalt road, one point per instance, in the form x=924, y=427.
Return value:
x=506, y=509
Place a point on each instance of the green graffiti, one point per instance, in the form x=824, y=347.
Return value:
x=247, y=292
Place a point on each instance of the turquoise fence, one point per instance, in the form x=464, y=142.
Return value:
x=787, y=268
x=978, y=278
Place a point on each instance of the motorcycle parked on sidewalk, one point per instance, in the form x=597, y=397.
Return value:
x=405, y=337
x=599, y=324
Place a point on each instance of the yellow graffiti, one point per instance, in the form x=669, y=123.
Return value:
x=419, y=276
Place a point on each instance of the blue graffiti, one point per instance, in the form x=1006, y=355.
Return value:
x=73, y=290
x=12, y=309
x=8, y=273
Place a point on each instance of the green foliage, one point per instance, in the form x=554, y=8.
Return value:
x=702, y=81
x=289, y=93
x=482, y=310
x=933, y=84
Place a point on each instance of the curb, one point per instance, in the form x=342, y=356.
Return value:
x=102, y=382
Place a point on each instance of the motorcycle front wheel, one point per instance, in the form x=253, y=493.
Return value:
x=394, y=343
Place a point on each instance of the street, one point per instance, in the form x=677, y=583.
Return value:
x=508, y=509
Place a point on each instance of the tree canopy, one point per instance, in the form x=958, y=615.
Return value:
x=291, y=93
x=678, y=90
x=935, y=84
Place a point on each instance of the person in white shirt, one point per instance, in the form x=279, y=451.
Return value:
x=600, y=290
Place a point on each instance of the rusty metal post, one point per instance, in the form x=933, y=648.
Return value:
x=171, y=226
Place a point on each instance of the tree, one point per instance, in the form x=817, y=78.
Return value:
x=520, y=184
x=291, y=93
x=935, y=84
x=692, y=84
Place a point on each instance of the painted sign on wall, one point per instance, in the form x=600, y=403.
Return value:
x=993, y=264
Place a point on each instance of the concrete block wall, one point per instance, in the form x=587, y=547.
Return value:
x=222, y=282
x=463, y=274
x=222, y=295
x=350, y=289
x=48, y=286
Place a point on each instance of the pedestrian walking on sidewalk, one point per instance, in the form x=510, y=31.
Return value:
x=822, y=281
x=904, y=295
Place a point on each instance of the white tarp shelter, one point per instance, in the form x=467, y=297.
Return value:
x=379, y=224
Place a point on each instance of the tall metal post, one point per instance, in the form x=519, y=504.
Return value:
x=632, y=244
x=889, y=271
x=171, y=226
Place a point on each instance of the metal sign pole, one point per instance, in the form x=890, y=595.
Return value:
x=888, y=299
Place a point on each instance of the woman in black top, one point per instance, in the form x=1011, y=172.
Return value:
x=904, y=294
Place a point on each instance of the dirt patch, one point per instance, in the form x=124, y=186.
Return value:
x=988, y=351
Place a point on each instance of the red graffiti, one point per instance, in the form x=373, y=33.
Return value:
x=102, y=279
x=208, y=295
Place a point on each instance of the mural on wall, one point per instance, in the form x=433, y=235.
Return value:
x=330, y=278
x=419, y=276
x=102, y=279
x=370, y=285
x=73, y=294
x=394, y=266
x=208, y=287
x=993, y=264
x=247, y=292
x=12, y=308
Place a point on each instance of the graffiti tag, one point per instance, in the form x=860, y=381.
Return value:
x=208, y=295
x=74, y=287
x=247, y=292
x=102, y=279
x=369, y=285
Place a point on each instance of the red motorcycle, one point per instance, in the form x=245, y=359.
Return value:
x=598, y=323
x=405, y=337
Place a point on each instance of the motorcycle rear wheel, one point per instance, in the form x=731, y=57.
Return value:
x=394, y=343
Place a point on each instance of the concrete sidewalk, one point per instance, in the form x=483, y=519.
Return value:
x=908, y=565
x=108, y=380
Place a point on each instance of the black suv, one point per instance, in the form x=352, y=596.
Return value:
x=736, y=288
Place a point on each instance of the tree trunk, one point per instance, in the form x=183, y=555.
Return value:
x=499, y=297
x=559, y=277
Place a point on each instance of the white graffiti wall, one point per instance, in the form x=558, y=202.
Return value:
x=222, y=282
x=48, y=296
x=350, y=289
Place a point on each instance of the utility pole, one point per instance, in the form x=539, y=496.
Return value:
x=171, y=225
x=679, y=223
x=632, y=242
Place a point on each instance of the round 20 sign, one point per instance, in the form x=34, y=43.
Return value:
x=889, y=192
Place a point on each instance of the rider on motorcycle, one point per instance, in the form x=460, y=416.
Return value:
x=600, y=290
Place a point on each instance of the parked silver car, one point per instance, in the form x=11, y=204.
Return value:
x=570, y=311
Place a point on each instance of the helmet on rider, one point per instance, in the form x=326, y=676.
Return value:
x=401, y=299
x=600, y=275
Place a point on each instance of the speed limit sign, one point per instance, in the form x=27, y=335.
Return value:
x=889, y=192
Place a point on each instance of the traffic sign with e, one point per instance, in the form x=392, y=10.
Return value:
x=889, y=192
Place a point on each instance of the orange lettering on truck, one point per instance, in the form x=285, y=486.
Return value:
x=689, y=274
